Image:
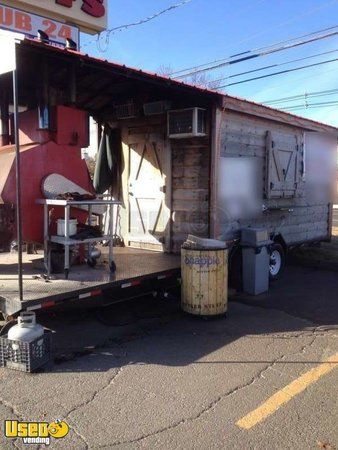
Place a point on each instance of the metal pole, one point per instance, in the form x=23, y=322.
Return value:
x=4, y=118
x=18, y=179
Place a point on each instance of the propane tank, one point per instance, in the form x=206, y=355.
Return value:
x=95, y=253
x=27, y=330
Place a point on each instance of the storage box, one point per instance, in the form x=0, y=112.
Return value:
x=26, y=356
x=61, y=227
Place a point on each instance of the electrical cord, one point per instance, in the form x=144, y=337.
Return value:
x=132, y=24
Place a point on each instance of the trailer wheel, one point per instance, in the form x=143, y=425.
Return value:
x=91, y=262
x=113, y=267
x=277, y=261
x=235, y=269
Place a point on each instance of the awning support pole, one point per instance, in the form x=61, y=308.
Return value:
x=18, y=179
x=4, y=118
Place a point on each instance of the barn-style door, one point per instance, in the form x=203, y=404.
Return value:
x=148, y=215
x=284, y=165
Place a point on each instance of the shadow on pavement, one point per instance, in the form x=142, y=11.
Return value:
x=304, y=292
x=155, y=331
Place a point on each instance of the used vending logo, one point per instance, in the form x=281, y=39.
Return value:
x=202, y=261
x=36, y=432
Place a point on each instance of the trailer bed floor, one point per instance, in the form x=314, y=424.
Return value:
x=132, y=264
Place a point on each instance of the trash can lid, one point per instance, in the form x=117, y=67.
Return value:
x=195, y=242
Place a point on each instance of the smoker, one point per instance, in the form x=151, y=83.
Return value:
x=42, y=152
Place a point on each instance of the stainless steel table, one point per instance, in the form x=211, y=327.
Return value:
x=67, y=240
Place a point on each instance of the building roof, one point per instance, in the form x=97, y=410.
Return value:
x=227, y=102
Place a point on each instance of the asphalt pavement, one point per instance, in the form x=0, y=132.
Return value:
x=144, y=375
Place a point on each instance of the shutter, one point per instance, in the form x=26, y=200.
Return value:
x=283, y=161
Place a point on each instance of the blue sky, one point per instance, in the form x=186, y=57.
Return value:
x=206, y=30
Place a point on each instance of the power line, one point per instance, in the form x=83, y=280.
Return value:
x=138, y=22
x=310, y=105
x=293, y=19
x=265, y=30
x=279, y=73
x=273, y=65
x=262, y=53
x=254, y=50
x=299, y=80
x=300, y=96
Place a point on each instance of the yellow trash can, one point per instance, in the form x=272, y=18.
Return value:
x=204, y=280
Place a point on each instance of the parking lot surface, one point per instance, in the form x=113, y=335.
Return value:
x=144, y=375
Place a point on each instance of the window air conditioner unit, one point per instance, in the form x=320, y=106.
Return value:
x=185, y=123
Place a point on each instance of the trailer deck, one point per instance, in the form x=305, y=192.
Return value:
x=138, y=271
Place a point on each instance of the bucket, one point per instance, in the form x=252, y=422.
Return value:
x=204, y=281
x=61, y=229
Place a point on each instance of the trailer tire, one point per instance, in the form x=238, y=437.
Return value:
x=235, y=269
x=113, y=267
x=91, y=262
x=277, y=261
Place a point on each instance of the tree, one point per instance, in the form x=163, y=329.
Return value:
x=203, y=80
x=198, y=79
x=91, y=163
x=165, y=70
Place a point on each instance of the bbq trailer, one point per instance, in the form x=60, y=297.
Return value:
x=179, y=158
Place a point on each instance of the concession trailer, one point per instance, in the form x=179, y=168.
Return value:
x=179, y=159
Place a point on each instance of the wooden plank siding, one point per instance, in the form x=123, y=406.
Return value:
x=245, y=136
x=190, y=189
x=193, y=180
x=259, y=110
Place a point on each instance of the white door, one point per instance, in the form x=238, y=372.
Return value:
x=148, y=212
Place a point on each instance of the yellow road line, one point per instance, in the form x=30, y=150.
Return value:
x=287, y=393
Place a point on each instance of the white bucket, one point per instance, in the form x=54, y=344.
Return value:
x=61, y=229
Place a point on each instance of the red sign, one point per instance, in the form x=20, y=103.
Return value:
x=29, y=24
x=94, y=8
x=89, y=15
